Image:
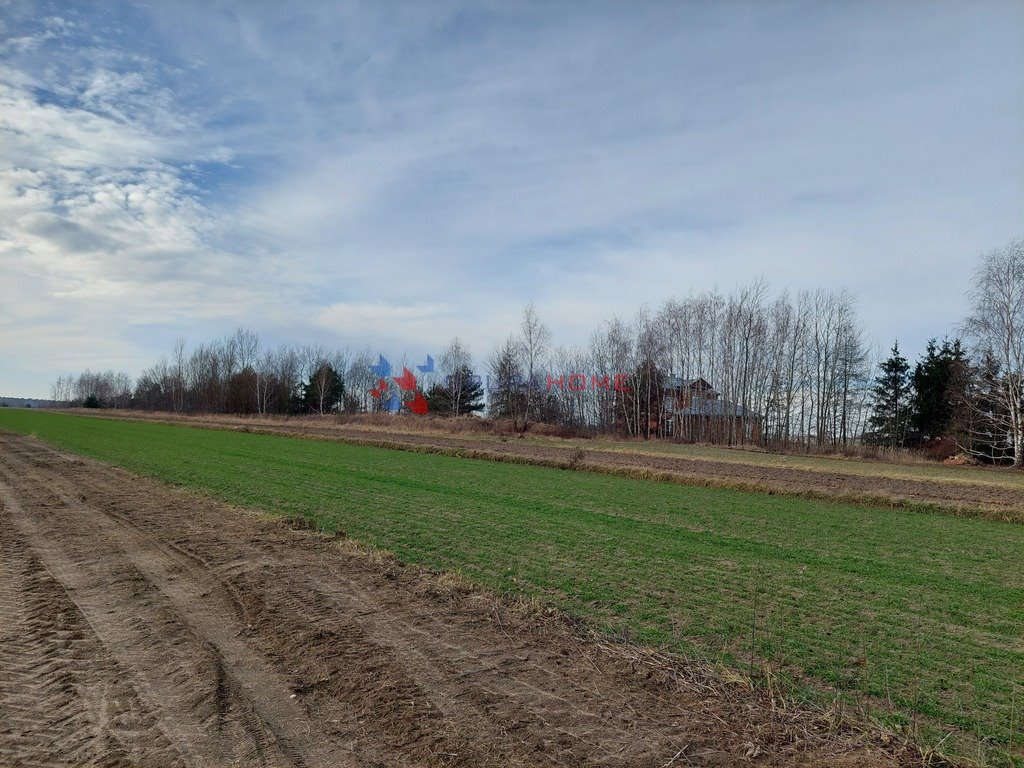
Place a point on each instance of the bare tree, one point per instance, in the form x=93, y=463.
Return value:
x=107, y=389
x=996, y=326
x=454, y=363
x=62, y=390
x=789, y=371
x=534, y=341
x=265, y=370
x=178, y=376
x=508, y=392
x=360, y=380
x=247, y=345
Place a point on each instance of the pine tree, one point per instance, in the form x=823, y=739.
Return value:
x=324, y=392
x=890, y=414
x=933, y=376
x=461, y=395
x=507, y=387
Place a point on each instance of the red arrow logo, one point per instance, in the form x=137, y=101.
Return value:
x=406, y=381
x=418, y=404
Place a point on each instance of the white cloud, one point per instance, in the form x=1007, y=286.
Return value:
x=364, y=174
x=52, y=27
x=100, y=232
x=414, y=325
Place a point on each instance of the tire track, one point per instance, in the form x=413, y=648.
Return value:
x=406, y=652
x=215, y=699
x=246, y=643
x=64, y=699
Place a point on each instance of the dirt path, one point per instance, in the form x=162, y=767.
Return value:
x=141, y=625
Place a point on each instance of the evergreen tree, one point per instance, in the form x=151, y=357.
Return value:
x=933, y=376
x=324, y=392
x=891, y=411
x=461, y=395
x=507, y=387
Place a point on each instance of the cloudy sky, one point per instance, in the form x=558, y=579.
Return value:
x=393, y=174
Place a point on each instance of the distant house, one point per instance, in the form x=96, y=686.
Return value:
x=693, y=412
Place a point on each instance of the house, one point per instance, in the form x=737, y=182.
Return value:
x=694, y=412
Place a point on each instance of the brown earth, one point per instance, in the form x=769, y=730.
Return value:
x=973, y=499
x=144, y=625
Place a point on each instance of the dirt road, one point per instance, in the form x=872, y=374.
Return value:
x=142, y=625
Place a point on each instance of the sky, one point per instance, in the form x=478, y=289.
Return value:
x=392, y=174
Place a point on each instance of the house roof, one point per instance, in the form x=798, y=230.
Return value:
x=677, y=382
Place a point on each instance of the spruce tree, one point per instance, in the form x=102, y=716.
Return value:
x=933, y=376
x=507, y=387
x=324, y=392
x=891, y=411
x=461, y=395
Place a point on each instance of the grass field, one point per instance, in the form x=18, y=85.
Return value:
x=989, y=493
x=920, y=614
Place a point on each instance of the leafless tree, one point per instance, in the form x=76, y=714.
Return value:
x=359, y=380
x=177, y=372
x=996, y=326
x=508, y=391
x=789, y=369
x=534, y=342
x=62, y=390
x=454, y=361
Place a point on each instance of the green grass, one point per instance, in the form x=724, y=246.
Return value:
x=925, y=611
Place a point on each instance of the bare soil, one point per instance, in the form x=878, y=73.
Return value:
x=974, y=499
x=144, y=625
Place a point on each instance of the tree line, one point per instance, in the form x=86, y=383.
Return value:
x=788, y=370
x=976, y=399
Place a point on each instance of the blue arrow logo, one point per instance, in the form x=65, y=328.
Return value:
x=382, y=368
x=394, y=403
x=427, y=367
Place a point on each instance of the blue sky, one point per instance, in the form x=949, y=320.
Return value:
x=393, y=174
